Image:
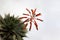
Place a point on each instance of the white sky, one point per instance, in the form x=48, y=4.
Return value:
x=50, y=9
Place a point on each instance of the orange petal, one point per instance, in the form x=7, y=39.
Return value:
x=22, y=17
x=28, y=10
x=25, y=26
x=40, y=20
x=34, y=10
x=30, y=26
x=38, y=14
x=26, y=20
x=26, y=14
x=36, y=24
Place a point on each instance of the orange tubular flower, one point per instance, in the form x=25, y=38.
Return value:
x=32, y=18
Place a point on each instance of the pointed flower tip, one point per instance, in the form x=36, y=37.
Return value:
x=26, y=8
x=35, y=9
x=25, y=26
x=41, y=20
x=37, y=29
x=29, y=29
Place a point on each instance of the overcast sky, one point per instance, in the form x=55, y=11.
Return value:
x=49, y=29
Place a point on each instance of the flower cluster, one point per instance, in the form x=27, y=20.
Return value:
x=32, y=18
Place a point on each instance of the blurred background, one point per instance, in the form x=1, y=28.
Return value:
x=49, y=29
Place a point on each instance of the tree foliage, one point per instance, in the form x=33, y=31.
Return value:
x=11, y=28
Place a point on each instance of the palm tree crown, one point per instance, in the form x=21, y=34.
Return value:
x=11, y=28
